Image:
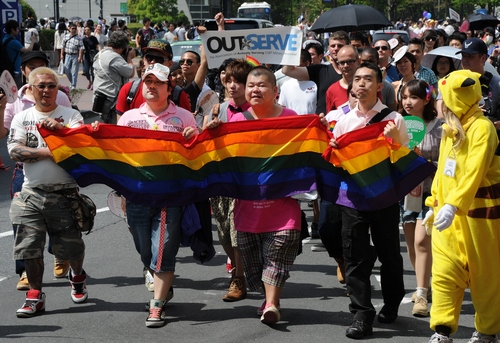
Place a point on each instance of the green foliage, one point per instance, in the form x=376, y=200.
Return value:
x=47, y=39
x=27, y=8
x=157, y=10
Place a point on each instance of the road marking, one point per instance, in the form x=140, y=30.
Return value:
x=10, y=233
x=6, y=234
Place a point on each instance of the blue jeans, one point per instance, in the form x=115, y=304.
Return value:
x=71, y=67
x=144, y=223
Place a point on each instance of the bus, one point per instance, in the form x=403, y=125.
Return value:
x=255, y=10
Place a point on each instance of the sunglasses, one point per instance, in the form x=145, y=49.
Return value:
x=42, y=86
x=157, y=83
x=431, y=39
x=158, y=59
x=383, y=47
x=188, y=62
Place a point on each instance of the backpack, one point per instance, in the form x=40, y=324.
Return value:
x=190, y=34
x=491, y=105
x=7, y=64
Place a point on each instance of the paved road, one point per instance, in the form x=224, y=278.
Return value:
x=314, y=305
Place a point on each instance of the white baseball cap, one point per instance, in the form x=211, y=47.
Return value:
x=158, y=70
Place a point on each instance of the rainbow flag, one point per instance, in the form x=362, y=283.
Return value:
x=252, y=160
x=380, y=172
x=252, y=61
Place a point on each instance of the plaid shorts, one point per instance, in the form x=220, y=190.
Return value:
x=37, y=212
x=268, y=256
x=223, y=210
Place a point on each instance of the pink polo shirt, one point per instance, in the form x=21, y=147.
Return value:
x=173, y=119
x=257, y=216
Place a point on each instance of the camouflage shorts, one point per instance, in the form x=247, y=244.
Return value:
x=223, y=210
x=37, y=213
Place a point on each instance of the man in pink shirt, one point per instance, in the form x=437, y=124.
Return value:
x=157, y=113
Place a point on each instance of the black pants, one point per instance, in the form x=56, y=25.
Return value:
x=330, y=228
x=384, y=227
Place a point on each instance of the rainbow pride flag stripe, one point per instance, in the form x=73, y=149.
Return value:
x=252, y=160
x=380, y=171
x=252, y=61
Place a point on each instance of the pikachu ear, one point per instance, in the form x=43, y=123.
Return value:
x=468, y=82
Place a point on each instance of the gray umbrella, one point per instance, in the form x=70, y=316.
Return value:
x=446, y=51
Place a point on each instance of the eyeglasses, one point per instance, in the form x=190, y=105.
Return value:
x=158, y=59
x=41, y=86
x=348, y=62
x=431, y=39
x=188, y=62
x=443, y=63
x=383, y=47
x=157, y=83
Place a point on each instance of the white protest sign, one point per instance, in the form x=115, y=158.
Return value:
x=454, y=15
x=277, y=45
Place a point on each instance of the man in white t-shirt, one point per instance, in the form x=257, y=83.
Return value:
x=299, y=96
x=43, y=205
x=169, y=35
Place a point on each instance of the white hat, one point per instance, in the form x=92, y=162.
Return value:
x=158, y=70
x=393, y=42
x=400, y=53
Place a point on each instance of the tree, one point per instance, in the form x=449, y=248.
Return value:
x=157, y=10
x=27, y=8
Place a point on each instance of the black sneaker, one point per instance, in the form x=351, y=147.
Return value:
x=388, y=314
x=359, y=329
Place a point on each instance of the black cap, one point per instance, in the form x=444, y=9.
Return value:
x=175, y=66
x=474, y=46
x=29, y=55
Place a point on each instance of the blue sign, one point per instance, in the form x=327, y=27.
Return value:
x=10, y=9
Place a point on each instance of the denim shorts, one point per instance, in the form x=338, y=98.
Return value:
x=411, y=217
x=144, y=223
x=36, y=213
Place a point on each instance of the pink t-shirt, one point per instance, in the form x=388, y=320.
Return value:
x=173, y=119
x=257, y=216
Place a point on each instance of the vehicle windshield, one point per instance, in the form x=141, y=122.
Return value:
x=179, y=49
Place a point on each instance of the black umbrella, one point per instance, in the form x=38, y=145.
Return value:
x=480, y=21
x=350, y=18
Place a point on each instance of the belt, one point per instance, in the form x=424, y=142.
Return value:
x=71, y=54
x=19, y=165
x=57, y=188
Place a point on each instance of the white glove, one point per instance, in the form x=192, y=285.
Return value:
x=427, y=222
x=445, y=216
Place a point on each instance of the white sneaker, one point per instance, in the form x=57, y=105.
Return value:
x=149, y=281
x=478, y=337
x=437, y=338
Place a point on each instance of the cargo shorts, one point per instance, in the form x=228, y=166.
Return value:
x=38, y=213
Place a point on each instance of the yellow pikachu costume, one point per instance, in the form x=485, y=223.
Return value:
x=467, y=253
